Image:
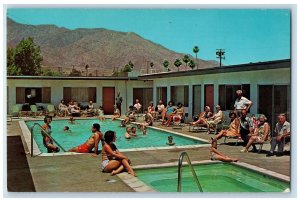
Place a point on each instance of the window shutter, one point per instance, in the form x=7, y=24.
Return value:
x=46, y=95
x=20, y=95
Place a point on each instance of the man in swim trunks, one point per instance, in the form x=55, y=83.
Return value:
x=91, y=143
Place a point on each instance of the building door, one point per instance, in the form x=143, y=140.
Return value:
x=108, y=100
x=196, y=99
x=209, y=96
x=273, y=100
x=145, y=95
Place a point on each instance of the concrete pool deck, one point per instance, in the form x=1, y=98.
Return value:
x=80, y=173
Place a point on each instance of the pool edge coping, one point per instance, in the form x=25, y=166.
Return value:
x=37, y=152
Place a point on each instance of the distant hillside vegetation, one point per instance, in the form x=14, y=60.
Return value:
x=101, y=49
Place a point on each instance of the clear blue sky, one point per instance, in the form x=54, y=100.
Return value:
x=246, y=35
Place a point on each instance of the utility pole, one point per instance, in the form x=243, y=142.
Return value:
x=147, y=66
x=221, y=55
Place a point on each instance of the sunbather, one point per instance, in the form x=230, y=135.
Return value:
x=203, y=117
x=260, y=134
x=216, y=155
x=233, y=130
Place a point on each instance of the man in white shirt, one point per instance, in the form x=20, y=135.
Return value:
x=137, y=105
x=160, y=107
x=241, y=103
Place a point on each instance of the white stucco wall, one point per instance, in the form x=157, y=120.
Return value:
x=254, y=78
x=123, y=86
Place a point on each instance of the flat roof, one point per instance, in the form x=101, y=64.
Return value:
x=71, y=78
x=276, y=64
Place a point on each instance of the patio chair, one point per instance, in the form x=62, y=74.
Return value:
x=177, y=123
x=199, y=127
x=34, y=111
x=225, y=126
x=15, y=112
x=51, y=111
x=219, y=126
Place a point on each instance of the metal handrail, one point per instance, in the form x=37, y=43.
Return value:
x=45, y=133
x=182, y=155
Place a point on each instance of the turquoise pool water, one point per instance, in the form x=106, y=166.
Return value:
x=81, y=131
x=217, y=177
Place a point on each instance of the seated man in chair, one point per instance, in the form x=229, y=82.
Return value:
x=282, y=130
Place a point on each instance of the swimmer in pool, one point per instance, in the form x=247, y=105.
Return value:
x=170, y=140
x=133, y=131
x=128, y=131
x=67, y=129
x=216, y=155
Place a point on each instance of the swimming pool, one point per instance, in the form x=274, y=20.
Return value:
x=214, y=177
x=81, y=131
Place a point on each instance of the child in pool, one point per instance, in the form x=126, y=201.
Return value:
x=216, y=155
x=67, y=129
x=101, y=114
x=127, y=134
x=72, y=121
x=170, y=140
x=133, y=131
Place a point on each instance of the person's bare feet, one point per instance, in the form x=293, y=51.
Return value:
x=132, y=173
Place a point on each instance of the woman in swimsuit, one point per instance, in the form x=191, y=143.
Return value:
x=113, y=161
x=216, y=155
x=260, y=134
x=116, y=113
x=233, y=130
x=203, y=116
x=46, y=132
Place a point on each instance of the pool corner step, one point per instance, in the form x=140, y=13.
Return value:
x=136, y=184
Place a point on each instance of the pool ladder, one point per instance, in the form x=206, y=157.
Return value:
x=46, y=133
x=180, y=161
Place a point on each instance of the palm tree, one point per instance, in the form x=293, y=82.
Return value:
x=166, y=64
x=186, y=59
x=192, y=64
x=177, y=63
x=196, y=50
x=151, y=64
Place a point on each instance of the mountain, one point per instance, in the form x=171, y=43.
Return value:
x=101, y=49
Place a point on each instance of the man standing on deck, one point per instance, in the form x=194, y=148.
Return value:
x=91, y=143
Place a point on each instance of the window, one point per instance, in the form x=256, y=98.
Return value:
x=274, y=100
x=33, y=95
x=180, y=94
x=80, y=94
x=161, y=94
x=227, y=95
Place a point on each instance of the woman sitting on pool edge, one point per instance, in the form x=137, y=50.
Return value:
x=113, y=161
x=216, y=155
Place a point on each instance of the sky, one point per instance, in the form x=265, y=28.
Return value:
x=246, y=35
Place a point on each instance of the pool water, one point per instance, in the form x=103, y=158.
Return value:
x=81, y=131
x=216, y=177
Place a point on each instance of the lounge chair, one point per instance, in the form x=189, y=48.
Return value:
x=15, y=112
x=177, y=122
x=199, y=127
x=34, y=111
x=51, y=110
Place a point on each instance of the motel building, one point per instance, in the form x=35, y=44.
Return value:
x=266, y=84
